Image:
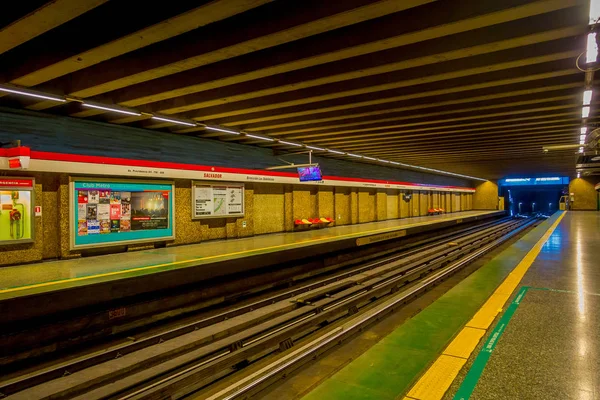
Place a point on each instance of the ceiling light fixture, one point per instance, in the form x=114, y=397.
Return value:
x=30, y=93
x=111, y=109
x=591, y=53
x=369, y=158
x=584, y=130
x=315, y=148
x=212, y=128
x=354, y=155
x=582, y=141
x=579, y=175
x=587, y=97
x=594, y=11
x=173, y=121
x=290, y=143
x=581, y=137
x=585, y=112
x=581, y=149
x=268, y=139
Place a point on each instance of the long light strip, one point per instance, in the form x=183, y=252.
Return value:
x=335, y=151
x=594, y=12
x=173, y=121
x=268, y=139
x=591, y=52
x=585, y=112
x=117, y=110
x=587, y=97
x=584, y=130
x=41, y=95
x=290, y=143
x=31, y=94
x=212, y=128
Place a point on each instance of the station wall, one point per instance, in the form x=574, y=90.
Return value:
x=269, y=208
x=586, y=197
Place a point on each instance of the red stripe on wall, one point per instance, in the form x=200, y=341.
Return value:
x=50, y=156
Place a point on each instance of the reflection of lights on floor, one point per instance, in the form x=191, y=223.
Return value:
x=580, y=282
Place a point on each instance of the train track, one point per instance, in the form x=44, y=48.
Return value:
x=183, y=360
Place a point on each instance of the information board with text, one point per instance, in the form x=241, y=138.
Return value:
x=217, y=200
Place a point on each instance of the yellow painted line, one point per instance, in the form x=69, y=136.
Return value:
x=464, y=343
x=438, y=378
x=170, y=264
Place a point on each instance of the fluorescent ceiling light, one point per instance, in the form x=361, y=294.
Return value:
x=117, y=110
x=394, y=162
x=212, y=128
x=581, y=137
x=585, y=112
x=594, y=11
x=268, y=139
x=335, y=151
x=290, y=143
x=582, y=141
x=354, y=155
x=384, y=161
x=591, y=53
x=579, y=174
x=369, y=158
x=315, y=148
x=581, y=149
x=30, y=93
x=584, y=130
x=173, y=121
x=587, y=97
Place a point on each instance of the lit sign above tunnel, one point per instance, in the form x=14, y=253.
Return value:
x=555, y=180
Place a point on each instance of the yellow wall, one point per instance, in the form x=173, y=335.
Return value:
x=586, y=197
x=485, y=196
x=269, y=208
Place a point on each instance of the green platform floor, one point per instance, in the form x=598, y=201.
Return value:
x=389, y=368
x=44, y=277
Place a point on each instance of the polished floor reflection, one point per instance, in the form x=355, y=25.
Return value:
x=551, y=347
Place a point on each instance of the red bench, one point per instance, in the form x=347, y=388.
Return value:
x=313, y=221
x=435, y=211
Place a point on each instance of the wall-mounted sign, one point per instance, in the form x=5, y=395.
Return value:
x=16, y=210
x=108, y=213
x=217, y=200
x=556, y=180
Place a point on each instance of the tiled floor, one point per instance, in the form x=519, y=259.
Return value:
x=551, y=346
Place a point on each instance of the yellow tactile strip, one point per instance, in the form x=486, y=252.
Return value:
x=434, y=383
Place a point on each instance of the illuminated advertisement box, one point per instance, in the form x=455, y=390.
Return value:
x=105, y=213
x=16, y=210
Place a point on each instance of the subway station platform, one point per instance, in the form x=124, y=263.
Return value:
x=524, y=326
x=37, y=288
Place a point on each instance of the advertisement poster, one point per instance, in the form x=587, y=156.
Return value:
x=16, y=210
x=218, y=200
x=118, y=212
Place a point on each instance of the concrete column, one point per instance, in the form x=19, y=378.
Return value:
x=584, y=194
x=486, y=196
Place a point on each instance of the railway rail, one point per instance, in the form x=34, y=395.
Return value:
x=187, y=359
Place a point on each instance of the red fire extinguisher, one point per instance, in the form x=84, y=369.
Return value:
x=16, y=232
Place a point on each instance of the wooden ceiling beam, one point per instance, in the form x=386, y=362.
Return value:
x=336, y=92
x=445, y=48
x=43, y=19
x=473, y=113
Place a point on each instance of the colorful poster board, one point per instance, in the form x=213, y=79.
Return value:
x=120, y=212
x=217, y=200
x=17, y=221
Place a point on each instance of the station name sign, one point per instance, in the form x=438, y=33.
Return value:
x=554, y=180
